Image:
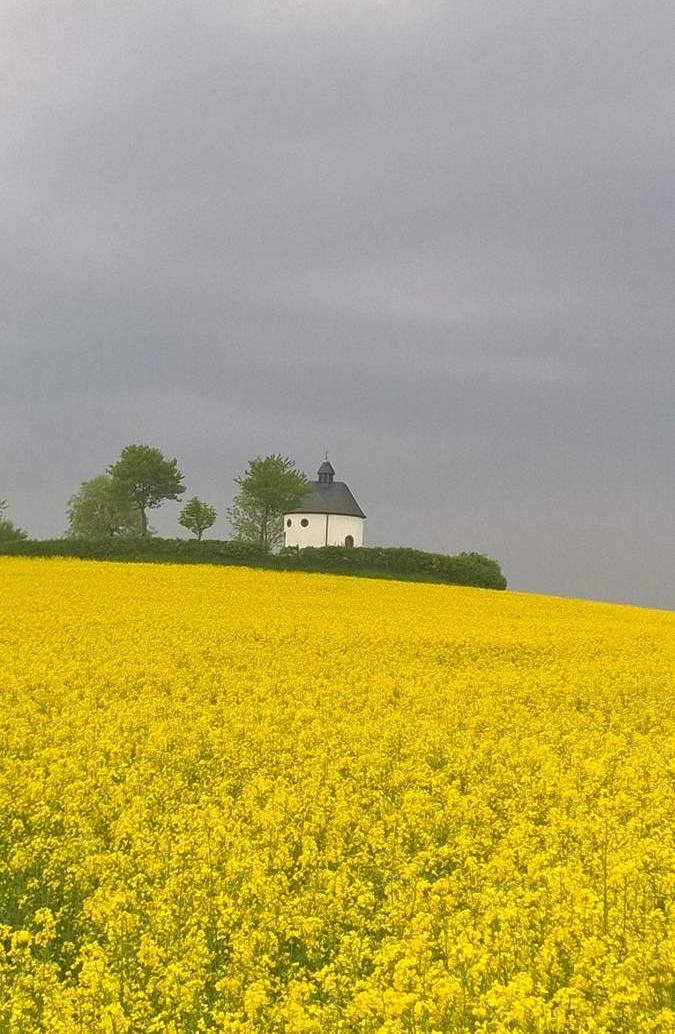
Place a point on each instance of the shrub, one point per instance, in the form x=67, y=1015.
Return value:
x=464, y=569
x=139, y=549
x=472, y=569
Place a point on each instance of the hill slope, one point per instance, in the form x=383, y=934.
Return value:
x=254, y=801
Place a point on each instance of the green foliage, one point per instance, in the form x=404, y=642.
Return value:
x=197, y=516
x=148, y=477
x=270, y=487
x=465, y=569
x=103, y=508
x=143, y=548
x=376, y=562
x=8, y=530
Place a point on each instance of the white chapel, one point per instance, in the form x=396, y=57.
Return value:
x=329, y=515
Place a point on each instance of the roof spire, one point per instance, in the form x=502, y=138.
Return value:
x=326, y=472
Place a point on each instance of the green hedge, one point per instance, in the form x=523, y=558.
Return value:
x=178, y=551
x=378, y=561
x=464, y=569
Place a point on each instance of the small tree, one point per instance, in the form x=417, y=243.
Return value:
x=103, y=508
x=197, y=516
x=148, y=477
x=8, y=530
x=269, y=488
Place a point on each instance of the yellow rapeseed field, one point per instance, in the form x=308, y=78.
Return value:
x=243, y=801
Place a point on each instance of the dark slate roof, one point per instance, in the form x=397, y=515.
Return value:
x=329, y=498
x=326, y=467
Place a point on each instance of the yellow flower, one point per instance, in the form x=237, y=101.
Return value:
x=252, y=801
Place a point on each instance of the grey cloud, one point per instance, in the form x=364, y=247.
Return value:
x=435, y=239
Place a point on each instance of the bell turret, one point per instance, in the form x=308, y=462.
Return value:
x=326, y=472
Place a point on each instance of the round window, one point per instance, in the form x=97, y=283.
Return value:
x=288, y=522
x=304, y=522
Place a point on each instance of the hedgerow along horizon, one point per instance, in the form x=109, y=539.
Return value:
x=472, y=569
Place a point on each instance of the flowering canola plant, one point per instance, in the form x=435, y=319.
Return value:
x=239, y=800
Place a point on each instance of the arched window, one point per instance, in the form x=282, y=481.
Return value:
x=349, y=541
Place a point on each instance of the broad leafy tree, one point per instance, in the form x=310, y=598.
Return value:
x=103, y=508
x=148, y=477
x=270, y=486
x=197, y=516
x=8, y=530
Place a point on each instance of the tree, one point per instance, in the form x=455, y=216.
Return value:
x=103, y=508
x=8, y=530
x=197, y=516
x=270, y=487
x=148, y=477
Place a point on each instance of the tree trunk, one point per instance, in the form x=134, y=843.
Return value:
x=264, y=538
x=144, y=522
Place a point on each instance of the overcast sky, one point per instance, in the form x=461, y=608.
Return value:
x=433, y=238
